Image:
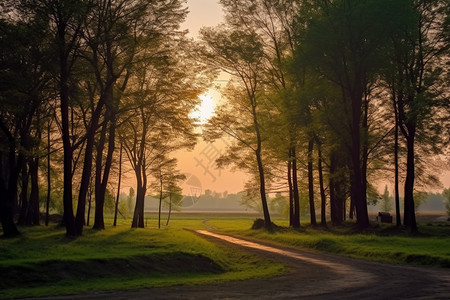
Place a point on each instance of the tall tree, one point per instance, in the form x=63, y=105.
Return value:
x=343, y=43
x=239, y=54
x=418, y=44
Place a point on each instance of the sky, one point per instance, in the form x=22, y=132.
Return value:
x=199, y=165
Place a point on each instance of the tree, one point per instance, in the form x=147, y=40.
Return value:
x=273, y=22
x=342, y=42
x=417, y=82
x=239, y=54
x=24, y=74
x=167, y=177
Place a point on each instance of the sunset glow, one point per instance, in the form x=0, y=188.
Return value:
x=205, y=110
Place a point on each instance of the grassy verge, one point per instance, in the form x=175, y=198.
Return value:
x=42, y=261
x=382, y=243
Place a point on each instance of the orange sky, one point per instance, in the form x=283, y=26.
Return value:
x=199, y=165
x=200, y=162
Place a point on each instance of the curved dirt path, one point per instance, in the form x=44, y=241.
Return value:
x=311, y=276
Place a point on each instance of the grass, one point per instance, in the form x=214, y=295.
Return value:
x=42, y=261
x=382, y=243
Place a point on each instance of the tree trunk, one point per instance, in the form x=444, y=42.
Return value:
x=49, y=185
x=312, y=209
x=396, y=171
x=87, y=166
x=160, y=198
x=409, y=208
x=106, y=171
x=89, y=203
x=99, y=201
x=69, y=219
x=357, y=190
x=291, y=192
x=8, y=189
x=323, y=200
x=262, y=190
x=170, y=209
x=24, y=174
x=116, y=208
x=141, y=178
x=33, y=205
x=295, y=189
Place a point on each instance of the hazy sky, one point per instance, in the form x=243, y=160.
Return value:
x=200, y=162
x=202, y=13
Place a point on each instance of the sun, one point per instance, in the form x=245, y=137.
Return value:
x=205, y=110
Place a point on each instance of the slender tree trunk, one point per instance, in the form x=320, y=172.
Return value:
x=396, y=171
x=33, y=207
x=69, y=219
x=99, y=201
x=160, y=198
x=118, y=186
x=295, y=189
x=170, y=209
x=87, y=166
x=106, y=172
x=262, y=183
x=89, y=203
x=291, y=192
x=312, y=209
x=23, y=194
x=409, y=208
x=323, y=200
x=49, y=185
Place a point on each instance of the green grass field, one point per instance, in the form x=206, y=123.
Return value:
x=42, y=261
x=383, y=243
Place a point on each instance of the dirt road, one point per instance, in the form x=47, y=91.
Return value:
x=311, y=276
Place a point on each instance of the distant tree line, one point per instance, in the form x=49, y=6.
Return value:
x=80, y=82
x=328, y=96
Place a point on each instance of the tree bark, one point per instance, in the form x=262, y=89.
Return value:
x=69, y=219
x=24, y=177
x=323, y=200
x=396, y=169
x=99, y=201
x=312, y=209
x=116, y=208
x=49, y=185
x=357, y=190
x=170, y=209
x=409, y=208
x=141, y=178
x=33, y=205
x=295, y=189
x=160, y=198
x=291, y=192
